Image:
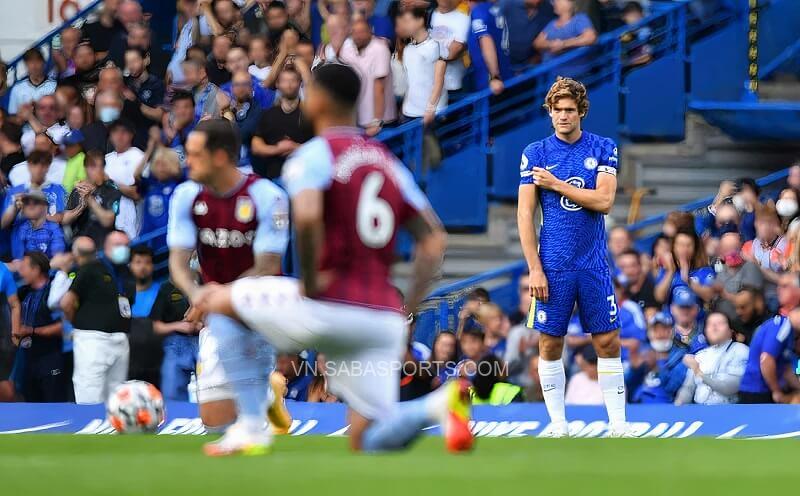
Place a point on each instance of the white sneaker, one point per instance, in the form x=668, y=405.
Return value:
x=556, y=430
x=240, y=440
x=619, y=431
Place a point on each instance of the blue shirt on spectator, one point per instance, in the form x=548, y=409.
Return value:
x=56, y=202
x=774, y=337
x=487, y=20
x=382, y=26
x=524, y=28
x=156, y=196
x=264, y=96
x=632, y=324
x=297, y=388
x=705, y=276
x=47, y=238
x=144, y=301
x=572, y=29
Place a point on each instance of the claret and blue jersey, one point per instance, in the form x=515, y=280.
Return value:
x=572, y=239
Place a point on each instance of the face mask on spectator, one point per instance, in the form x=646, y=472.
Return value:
x=109, y=114
x=786, y=207
x=120, y=254
x=733, y=259
x=661, y=345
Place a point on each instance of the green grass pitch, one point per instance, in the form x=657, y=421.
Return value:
x=66, y=465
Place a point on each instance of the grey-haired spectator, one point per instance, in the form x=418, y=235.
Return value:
x=34, y=86
x=41, y=118
x=734, y=273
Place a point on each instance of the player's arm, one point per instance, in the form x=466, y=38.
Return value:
x=600, y=199
x=526, y=210
x=179, y=272
x=307, y=211
x=182, y=239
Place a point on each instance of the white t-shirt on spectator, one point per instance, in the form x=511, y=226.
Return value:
x=19, y=174
x=25, y=92
x=57, y=132
x=446, y=28
x=581, y=390
x=120, y=168
x=371, y=63
x=259, y=73
x=419, y=60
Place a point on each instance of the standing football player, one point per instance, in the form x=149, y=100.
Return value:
x=239, y=226
x=350, y=196
x=573, y=176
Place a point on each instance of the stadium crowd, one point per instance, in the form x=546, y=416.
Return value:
x=92, y=147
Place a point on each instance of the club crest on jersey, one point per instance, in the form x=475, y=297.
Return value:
x=200, y=208
x=590, y=163
x=541, y=317
x=245, y=211
x=568, y=204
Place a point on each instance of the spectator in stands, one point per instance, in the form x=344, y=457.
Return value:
x=188, y=35
x=93, y=205
x=297, y=374
x=685, y=311
x=146, y=347
x=33, y=86
x=424, y=68
x=444, y=356
x=140, y=36
x=720, y=213
x=495, y=326
x=793, y=177
x=260, y=53
x=770, y=349
x=787, y=208
x=20, y=173
x=525, y=19
x=687, y=266
x=9, y=328
x=74, y=170
x=677, y=221
x=583, y=387
x=662, y=367
x=102, y=31
x=736, y=274
x=64, y=57
x=108, y=109
x=746, y=200
x=38, y=165
x=569, y=30
x=632, y=323
x=450, y=27
x=300, y=17
x=489, y=386
x=180, y=341
x=619, y=240
x=10, y=148
x=471, y=343
x=120, y=167
x=40, y=332
x=87, y=72
x=469, y=310
x=277, y=18
x=146, y=88
x=209, y=101
x=369, y=55
x=111, y=80
x=380, y=25
x=751, y=312
x=488, y=47
x=282, y=128
x=179, y=123
x=715, y=372
x=129, y=14
x=768, y=250
x=98, y=304
x=36, y=233
x=247, y=112
x=637, y=51
x=338, y=32
x=222, y=18
x=216, y=67
x=155, y=190
x=523, y=342
x=41, y=118
x=637, y=282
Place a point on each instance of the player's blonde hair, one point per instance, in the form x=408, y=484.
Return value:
x=565, y=87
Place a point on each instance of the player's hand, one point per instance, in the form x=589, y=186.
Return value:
x=543, y=178
x=538, y=285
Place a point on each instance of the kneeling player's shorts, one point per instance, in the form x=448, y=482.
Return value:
x=591, y=290
x=363, y=347
x=230, y=353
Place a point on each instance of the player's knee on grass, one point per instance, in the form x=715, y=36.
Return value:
x=217, y=415
x=550, y=347
x=358, y=425
x=607, y=344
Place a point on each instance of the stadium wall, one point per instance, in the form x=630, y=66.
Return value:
x=516, y=420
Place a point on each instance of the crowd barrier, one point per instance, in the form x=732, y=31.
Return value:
x=516, y=420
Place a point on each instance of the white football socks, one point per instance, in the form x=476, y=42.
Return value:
x=612, y=382
x=553, y=380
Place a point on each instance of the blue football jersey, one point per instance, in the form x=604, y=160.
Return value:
x=572, y=237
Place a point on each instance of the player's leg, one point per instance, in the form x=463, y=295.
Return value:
x=280, y=420
x=214, y=394
x=551, y=319
x=599, y=316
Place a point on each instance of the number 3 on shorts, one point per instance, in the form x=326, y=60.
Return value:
x=374, y=215
x=613, y=302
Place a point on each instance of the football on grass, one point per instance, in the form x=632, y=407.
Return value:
x=135, y=407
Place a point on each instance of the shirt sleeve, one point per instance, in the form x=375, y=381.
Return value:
x=14, y=101
x=609, y=160
x=9, y=287
x=181, y=229
x=531, y=157
x=82, y=280
x=582, y=23
x=461, y=33
x=58, y=288
x=778, y=339
x=383, y=66
x=480, y=23
x=60, y=197
x=272, y=208
x=310, y=167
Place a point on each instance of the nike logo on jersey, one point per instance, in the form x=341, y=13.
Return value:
x=550, y=167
